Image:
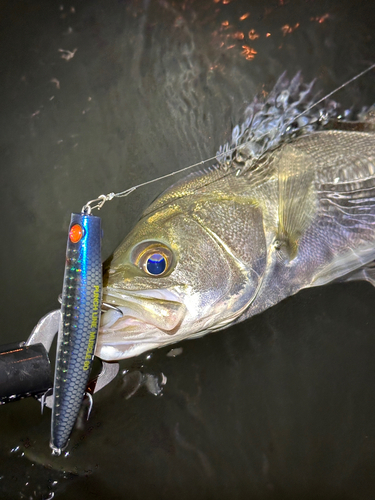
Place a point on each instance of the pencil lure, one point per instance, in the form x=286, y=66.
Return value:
x=80, y=316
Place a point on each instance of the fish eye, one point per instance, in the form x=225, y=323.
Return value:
x=153, y=258
x=156, y=264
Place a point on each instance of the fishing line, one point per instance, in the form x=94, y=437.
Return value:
x=108, y=197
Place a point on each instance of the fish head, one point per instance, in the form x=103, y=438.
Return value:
x=187, y=268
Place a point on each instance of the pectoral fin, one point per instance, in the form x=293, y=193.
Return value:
x=297, y=197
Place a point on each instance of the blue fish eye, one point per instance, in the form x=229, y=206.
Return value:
x=156, y=264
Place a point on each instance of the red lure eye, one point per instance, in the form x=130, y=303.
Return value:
x=75, y=233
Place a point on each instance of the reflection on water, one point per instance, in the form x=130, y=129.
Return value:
x=99, y=96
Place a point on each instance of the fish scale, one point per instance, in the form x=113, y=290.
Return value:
x=80, y=315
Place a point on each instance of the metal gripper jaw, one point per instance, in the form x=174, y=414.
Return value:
x=25, y=368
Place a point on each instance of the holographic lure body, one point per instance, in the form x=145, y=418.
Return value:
x=80, y=316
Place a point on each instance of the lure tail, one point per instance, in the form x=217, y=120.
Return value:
x=80, y=316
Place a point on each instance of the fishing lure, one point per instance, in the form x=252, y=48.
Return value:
x=79, y=323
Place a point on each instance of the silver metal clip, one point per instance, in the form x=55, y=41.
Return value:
x=86, y=209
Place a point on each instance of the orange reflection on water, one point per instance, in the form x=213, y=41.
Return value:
x=268, y=34
x=289, y=29
x=245, y=16
x=248, y=52
x=225, y=24
x=253, y=35
x=238, y=35
x=320, y=19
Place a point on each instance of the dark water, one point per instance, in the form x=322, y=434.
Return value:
x=281, y=406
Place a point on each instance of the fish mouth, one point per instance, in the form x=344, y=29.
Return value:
x=148, y=319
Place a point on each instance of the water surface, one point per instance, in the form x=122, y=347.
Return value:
x=98, y=96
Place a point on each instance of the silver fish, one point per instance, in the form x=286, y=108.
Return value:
x=293, y=207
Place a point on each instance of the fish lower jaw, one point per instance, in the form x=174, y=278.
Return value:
x=122, y=344
x=125, y=337
x=138, y=338
x=128, y=337
x=123, y=350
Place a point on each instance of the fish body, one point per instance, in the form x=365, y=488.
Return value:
x=226, y=244
x=80, y=316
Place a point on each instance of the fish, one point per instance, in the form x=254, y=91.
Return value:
x=289, y=205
